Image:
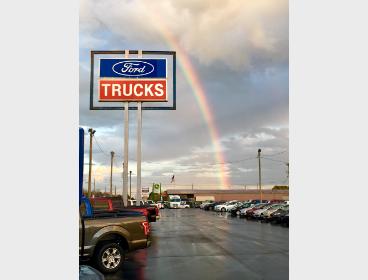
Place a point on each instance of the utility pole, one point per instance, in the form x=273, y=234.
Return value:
x=112, y=162
x=259, y=171
x=94, y=185
x=130, y=184
x=91, y=133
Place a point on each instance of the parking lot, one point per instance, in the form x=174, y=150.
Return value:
x=196, y=244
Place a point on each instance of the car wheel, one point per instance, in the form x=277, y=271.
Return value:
x=237, y=212
x=223, y=209
x=109, y=257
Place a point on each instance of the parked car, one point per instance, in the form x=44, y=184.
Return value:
x=116, y=204
x=257, y=214
x=266, y=214
x=211, y=206
x=205, y=203
x=243, y=212
x=107, y=238
x=197, y=204
x=257, y=201
x=249, y=213
x=236, y=210
x=183, y=204
x=277, y=216
x=284, y=220
x=224, y=207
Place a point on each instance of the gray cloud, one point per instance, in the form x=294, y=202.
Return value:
x=240, y=51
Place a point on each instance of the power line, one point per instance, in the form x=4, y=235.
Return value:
x=102, y=151
x=279, y=153
x=99, y=147
x=281, y=161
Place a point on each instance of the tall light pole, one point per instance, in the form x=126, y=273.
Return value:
x=91, y=133
x=130, y=184
x=259, y=174
x=94, y=185
x=112, y=162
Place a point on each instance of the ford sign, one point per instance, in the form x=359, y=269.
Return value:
x=132, y=68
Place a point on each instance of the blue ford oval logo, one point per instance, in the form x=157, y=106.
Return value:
x=133, y=68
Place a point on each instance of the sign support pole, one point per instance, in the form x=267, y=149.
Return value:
x=139, y=145
x=139, y=152
x=126, y=147
x=125, y=152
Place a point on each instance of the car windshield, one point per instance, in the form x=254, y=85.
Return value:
x=175, y=200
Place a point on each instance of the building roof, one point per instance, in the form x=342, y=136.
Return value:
x=190, y=191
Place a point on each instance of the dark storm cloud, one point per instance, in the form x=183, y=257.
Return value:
x=240, y=51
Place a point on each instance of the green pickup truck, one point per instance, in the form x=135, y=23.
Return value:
x=107, y=237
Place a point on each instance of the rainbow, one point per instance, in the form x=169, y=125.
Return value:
x=199, y=93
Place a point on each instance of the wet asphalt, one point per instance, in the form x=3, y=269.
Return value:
x=196, y=244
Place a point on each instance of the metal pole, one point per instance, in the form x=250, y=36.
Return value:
x=125, y=164
x=139, y=152
x=112, y=161
x=259, y=172
x=139, y=145
x=91, y=132
x=130, y=184
x=126, y=147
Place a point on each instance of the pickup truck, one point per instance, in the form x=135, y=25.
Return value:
x=112, y=204
x=105, y=237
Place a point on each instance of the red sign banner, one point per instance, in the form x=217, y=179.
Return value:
x=132, y=90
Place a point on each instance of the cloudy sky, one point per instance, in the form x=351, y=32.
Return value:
x=239, y=53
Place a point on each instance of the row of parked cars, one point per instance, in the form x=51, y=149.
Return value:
x=273, y=211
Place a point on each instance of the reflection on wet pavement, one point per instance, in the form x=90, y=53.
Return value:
x=195, y=244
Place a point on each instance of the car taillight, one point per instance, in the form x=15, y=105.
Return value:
x=146, y=227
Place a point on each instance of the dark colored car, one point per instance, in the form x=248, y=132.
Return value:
x=284, y=220
x=236, y=211
x=258, y=201
x=197, y=204
x=116, y=205
x=275, y=218
x=212, y=205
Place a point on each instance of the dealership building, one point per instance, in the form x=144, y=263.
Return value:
x=216, y=195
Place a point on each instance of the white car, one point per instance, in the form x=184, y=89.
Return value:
x=226, y=206
x=231, y=207
x=183, y=205
x=258, y=213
